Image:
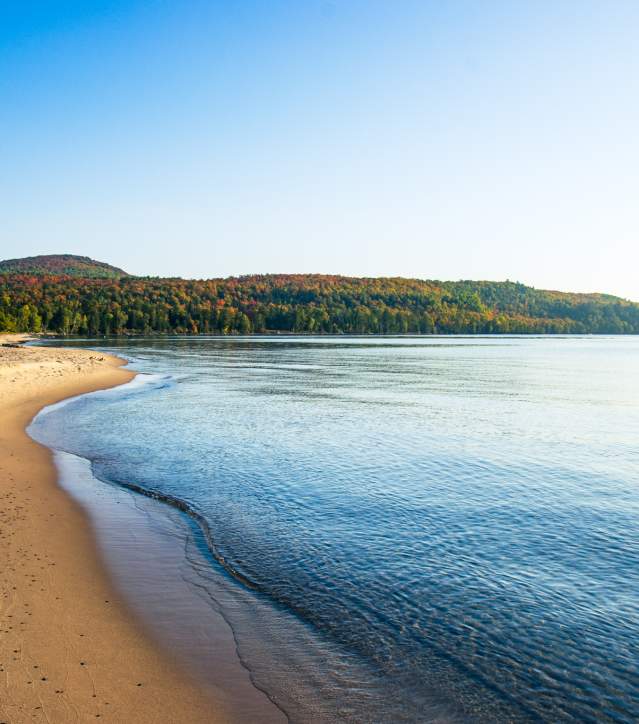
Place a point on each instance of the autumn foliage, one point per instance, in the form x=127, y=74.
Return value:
x=306, y=304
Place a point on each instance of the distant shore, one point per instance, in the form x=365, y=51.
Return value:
x=71, y=649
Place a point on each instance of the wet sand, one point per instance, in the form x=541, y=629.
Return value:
x=70, y=650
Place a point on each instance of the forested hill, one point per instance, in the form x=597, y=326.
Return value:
x=66, y=264
x=300, y=303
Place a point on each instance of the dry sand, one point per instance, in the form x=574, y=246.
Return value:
x=69, y=649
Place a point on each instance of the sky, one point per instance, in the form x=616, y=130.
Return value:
x=438, y=140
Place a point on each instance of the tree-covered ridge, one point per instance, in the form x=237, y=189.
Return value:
x=65, y=264
x=301, y=303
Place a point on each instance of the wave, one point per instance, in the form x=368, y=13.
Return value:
x=142, y=382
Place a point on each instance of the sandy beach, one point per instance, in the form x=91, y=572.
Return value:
x=70, y=650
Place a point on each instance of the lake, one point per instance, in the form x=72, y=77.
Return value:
x=405, y=528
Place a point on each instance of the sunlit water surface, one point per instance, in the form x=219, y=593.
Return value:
x=406, y=529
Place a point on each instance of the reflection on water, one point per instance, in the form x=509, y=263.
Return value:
x=434, y=527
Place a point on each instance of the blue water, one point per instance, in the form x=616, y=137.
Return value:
x=452, y=521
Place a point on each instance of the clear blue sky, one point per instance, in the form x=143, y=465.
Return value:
x=444, y=139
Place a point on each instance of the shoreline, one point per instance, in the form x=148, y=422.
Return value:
x=72, y=651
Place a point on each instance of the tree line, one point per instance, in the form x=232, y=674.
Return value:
x=304, y=304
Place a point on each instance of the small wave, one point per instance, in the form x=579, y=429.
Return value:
x=185, y=507
x=142, y=382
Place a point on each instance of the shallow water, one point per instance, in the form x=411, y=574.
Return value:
x=154, y=553
x=402, y=529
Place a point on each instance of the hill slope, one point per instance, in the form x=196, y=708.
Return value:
x=305, y=304
x=62, y=264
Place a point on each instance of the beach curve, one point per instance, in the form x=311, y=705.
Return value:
x=70, y=650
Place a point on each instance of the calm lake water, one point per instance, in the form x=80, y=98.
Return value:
x=407, y=529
